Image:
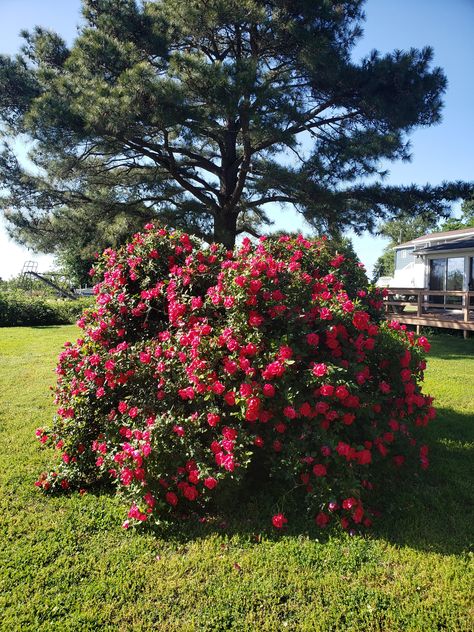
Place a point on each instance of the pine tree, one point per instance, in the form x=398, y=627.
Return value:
x=201, y=113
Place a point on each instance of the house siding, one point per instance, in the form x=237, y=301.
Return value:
x=416, y=273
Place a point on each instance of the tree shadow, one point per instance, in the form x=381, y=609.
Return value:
x=451, y=348
x=428, y=510
x=433, y=510
x=50, y=327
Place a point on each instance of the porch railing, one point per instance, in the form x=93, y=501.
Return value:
x=418, y=303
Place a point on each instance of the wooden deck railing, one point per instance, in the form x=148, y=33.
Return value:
x=416, y=307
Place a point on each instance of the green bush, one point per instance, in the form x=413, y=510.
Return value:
x=69, y=311
x=18, y=308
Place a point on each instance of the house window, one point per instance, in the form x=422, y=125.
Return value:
x=437, y=274
x=455, y=273
x=446, y=274
x=471, y=279
x=403, y=257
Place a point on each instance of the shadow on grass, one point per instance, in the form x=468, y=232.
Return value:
x=50, y=327
x=426, y=510
x=433, y=510
x=444, y=347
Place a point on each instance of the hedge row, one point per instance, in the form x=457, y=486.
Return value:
x=21, y=309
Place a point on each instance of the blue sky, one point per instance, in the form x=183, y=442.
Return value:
x=444, y=152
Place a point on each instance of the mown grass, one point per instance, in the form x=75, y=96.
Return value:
x=66, y=564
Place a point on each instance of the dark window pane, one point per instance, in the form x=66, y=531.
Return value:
x=438, y=274
x=471, y=279
x=437, y=278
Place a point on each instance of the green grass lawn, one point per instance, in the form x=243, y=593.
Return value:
x=66, y=563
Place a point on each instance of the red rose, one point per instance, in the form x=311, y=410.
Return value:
x=210, y=482
x=360, y=320
x=289, y=412
x=319, y=470
x=171, y=498
x=312, y=339
x=364, y=457
x=322, y=519
x=279, y=521
x=268, y=390
x=230, y=398
x=213, y=419
x=190, y=492
x=327, y=390
x=341, y=392
x=255, y=319
x=348, y=503
x=319, y=370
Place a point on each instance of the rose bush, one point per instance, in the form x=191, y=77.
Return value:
x=197, y=364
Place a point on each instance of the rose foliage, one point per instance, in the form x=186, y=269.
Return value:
x=198, y=364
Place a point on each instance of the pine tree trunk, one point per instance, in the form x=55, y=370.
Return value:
x=225, y=229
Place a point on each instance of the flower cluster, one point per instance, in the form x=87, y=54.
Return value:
x=197, y=362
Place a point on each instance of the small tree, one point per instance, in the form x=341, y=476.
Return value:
x=466, y=220
x=385, y=264
x=189, y=112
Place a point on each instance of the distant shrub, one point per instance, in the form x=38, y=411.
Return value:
x=70, y=311
x=197, y=364
x=19, y=308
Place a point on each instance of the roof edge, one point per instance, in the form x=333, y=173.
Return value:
x=448, y=234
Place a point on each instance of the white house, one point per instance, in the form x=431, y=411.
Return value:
x=437, y=261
